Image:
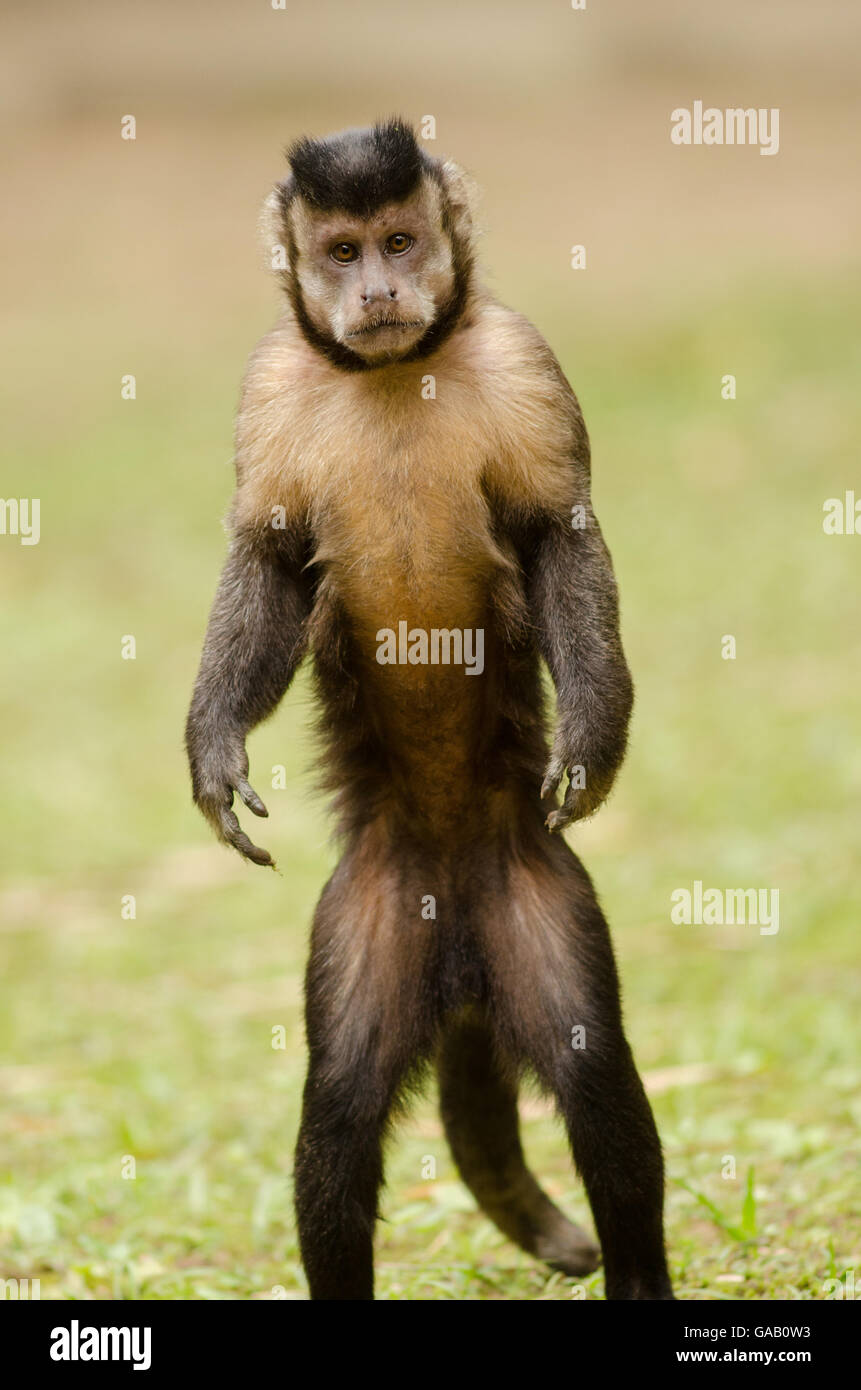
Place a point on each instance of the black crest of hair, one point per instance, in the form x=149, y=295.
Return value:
x=359, y=171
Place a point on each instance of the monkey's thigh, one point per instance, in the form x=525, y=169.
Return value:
x=368, y=983
x=549, y=958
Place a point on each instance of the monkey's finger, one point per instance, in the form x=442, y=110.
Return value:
x=236, y=836
x=567, y=812
x=552, y=777
x=250, y=797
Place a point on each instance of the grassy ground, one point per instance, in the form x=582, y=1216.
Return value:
x=151, y=1038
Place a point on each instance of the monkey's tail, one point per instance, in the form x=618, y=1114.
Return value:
x=479, y=1111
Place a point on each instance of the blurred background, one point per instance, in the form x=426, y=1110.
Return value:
x=151, y=1038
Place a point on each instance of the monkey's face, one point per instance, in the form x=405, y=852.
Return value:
x=377, y=284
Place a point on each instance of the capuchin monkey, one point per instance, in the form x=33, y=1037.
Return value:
x=413, y=510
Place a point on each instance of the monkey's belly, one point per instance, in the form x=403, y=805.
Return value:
x=431, y=724
x=428, y=661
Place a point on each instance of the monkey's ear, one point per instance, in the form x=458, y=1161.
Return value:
x=463, y=199
x=273, y=232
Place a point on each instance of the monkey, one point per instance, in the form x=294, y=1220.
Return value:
x=411, y=459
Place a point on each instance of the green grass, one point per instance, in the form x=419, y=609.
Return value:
x=151, y=1037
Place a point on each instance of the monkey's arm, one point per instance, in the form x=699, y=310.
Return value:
x=254, y=643
x=575, y=609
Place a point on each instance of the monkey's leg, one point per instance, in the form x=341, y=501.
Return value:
x=367, y=1022
x=557, y=998
x=339, y=1170
x=479, y=1111
x=618, y=1154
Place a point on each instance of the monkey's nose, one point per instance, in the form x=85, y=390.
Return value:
x=370, y=295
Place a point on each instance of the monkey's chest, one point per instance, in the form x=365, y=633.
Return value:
x=408, y=550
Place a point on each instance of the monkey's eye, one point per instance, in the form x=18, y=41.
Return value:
x=398, y=243
x=344, y=252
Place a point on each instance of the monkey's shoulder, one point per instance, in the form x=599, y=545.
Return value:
x=506, y=350
x=281, y=380
x=540, y=447
x=284, y=399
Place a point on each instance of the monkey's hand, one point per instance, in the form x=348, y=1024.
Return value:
x=583, y=795
x=214, y=781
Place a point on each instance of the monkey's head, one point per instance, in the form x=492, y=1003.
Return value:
x=379, y=244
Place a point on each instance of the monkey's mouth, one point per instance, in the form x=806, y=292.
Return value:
x=380, y=322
